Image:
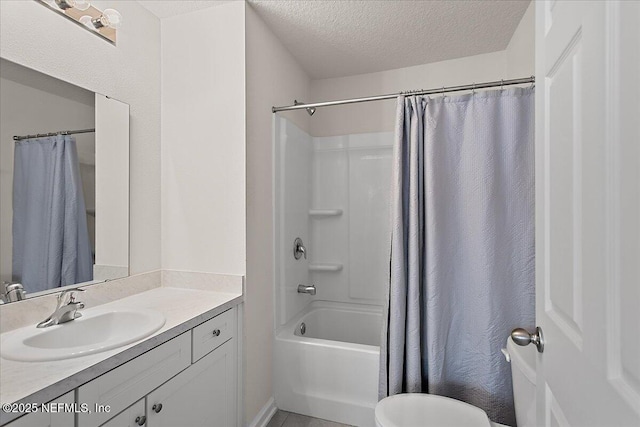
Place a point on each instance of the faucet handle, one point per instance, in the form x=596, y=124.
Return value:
x=72, y=297
x=70, y=292
x=299, y=249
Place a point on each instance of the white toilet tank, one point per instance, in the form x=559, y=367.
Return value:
x=523, y=372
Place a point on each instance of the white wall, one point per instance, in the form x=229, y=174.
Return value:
x=379, y=116
x=273, y=78
x=203, y=140
x=112, y=183
x=31, y=103
x=38, y=38
x=521, y=49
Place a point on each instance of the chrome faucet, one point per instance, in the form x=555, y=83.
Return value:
x=12, y=292
x=64, y=312
x=307, y=289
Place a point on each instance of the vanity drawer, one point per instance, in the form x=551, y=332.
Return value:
x=213, y=333
x=130, y=382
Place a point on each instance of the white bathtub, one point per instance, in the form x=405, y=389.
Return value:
x=331, y=371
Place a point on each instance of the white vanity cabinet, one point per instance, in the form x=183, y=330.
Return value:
x=168, y=386
x=202, y=395
x=64, y=418
x=121, y=387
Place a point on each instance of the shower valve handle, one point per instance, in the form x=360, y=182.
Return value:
x=298, y=249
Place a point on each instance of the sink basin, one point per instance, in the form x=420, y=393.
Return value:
x=96, y=331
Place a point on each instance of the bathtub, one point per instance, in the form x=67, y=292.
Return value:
x=328, y=368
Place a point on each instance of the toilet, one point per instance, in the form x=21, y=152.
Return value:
x=429, y=410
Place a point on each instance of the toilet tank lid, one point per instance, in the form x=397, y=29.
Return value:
x=428, y=410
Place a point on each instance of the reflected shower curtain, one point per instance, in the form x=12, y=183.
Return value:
x=462, y=252
x=51, y=245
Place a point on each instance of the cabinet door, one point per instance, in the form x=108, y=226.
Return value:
x=121, y=387
x=202, y=395
x=63, y=418
x=131, y=417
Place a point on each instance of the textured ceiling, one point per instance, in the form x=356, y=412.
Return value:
x=334, y=38
x=340, y=38
x=166, y=8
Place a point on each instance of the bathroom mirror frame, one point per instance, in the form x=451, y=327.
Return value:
x=104, y=115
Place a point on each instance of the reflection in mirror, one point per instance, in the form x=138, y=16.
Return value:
x=64, y=184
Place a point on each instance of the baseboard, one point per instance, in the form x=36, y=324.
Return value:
x=266, y=413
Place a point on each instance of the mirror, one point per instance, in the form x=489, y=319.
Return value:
x=64, y=185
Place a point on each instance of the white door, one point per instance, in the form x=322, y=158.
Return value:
x=588, y=212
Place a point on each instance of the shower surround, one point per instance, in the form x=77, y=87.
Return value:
x=333, y=193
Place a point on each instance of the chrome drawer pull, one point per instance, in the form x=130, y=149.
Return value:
x=141, y=420
x=157, y=407
x=216, y=332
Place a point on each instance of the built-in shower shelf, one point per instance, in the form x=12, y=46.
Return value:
x=325, y=267
x=325, y=212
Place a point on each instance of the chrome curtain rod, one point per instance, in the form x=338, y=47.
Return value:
x=442, y=90
x=61, y=132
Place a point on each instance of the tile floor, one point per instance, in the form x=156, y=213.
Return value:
x=289, y=419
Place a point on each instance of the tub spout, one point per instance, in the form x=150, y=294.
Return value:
x=307, y=289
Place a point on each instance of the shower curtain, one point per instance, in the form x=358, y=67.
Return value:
x=51, y=245
x=462, y=252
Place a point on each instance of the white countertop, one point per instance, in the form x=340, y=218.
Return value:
x=43, y=381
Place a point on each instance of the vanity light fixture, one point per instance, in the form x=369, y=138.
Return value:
x=110, y=18
x=103, y=23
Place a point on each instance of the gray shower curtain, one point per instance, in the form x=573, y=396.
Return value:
x=51, y=245
x=462, y=252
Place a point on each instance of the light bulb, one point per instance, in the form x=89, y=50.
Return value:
x=87, y=21
x=81, y=4
x=65, y=4
x=111, y=18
